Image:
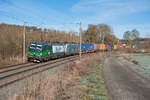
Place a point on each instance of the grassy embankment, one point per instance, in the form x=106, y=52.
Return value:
x=79, y=81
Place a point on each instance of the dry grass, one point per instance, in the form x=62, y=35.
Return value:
x=129, y=50
x=64, y=85
x=10, y=60
x=148, y=50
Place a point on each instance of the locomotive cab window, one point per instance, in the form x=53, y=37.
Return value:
x=39, y=48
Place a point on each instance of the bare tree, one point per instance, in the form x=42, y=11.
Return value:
x=127, y=37
x=97, y=33
x=135, y=36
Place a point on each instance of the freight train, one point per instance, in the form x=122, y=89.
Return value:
x=44, y=51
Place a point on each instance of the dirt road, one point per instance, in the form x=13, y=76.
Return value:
x=122, y=83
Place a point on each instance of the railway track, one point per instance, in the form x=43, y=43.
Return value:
x=10, y=75
x=15, y=67
x=8, y=66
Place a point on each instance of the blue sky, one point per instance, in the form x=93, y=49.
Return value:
x=121, y=15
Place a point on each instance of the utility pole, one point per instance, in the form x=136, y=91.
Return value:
x=117, y=42
x=103, y=40
x=41, y=33
x=24, y=42
x=41, y=39
x=80, y=38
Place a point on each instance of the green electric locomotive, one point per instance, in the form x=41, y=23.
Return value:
x=39, y=51
x=44, y=51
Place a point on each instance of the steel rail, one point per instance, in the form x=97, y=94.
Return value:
x=43, y=66
x=2, y=71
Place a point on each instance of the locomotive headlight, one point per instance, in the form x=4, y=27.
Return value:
x=49, y=53
x=40, y=54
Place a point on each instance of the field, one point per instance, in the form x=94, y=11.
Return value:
x=143, y=60
x=143, y=63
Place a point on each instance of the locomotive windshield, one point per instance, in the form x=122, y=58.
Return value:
x=39, y=47
x=34, y=47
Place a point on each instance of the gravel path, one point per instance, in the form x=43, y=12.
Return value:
x=122, y=83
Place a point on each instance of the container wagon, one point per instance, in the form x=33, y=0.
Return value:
x=96, y=47
x=111, y=47
x=86, y=48
x=115, y=47
x=72, y=49
x=102, y=47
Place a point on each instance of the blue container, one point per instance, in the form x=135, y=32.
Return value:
x=111, y=46
x=138, y=47
x=86, y=47
x=90, y=46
